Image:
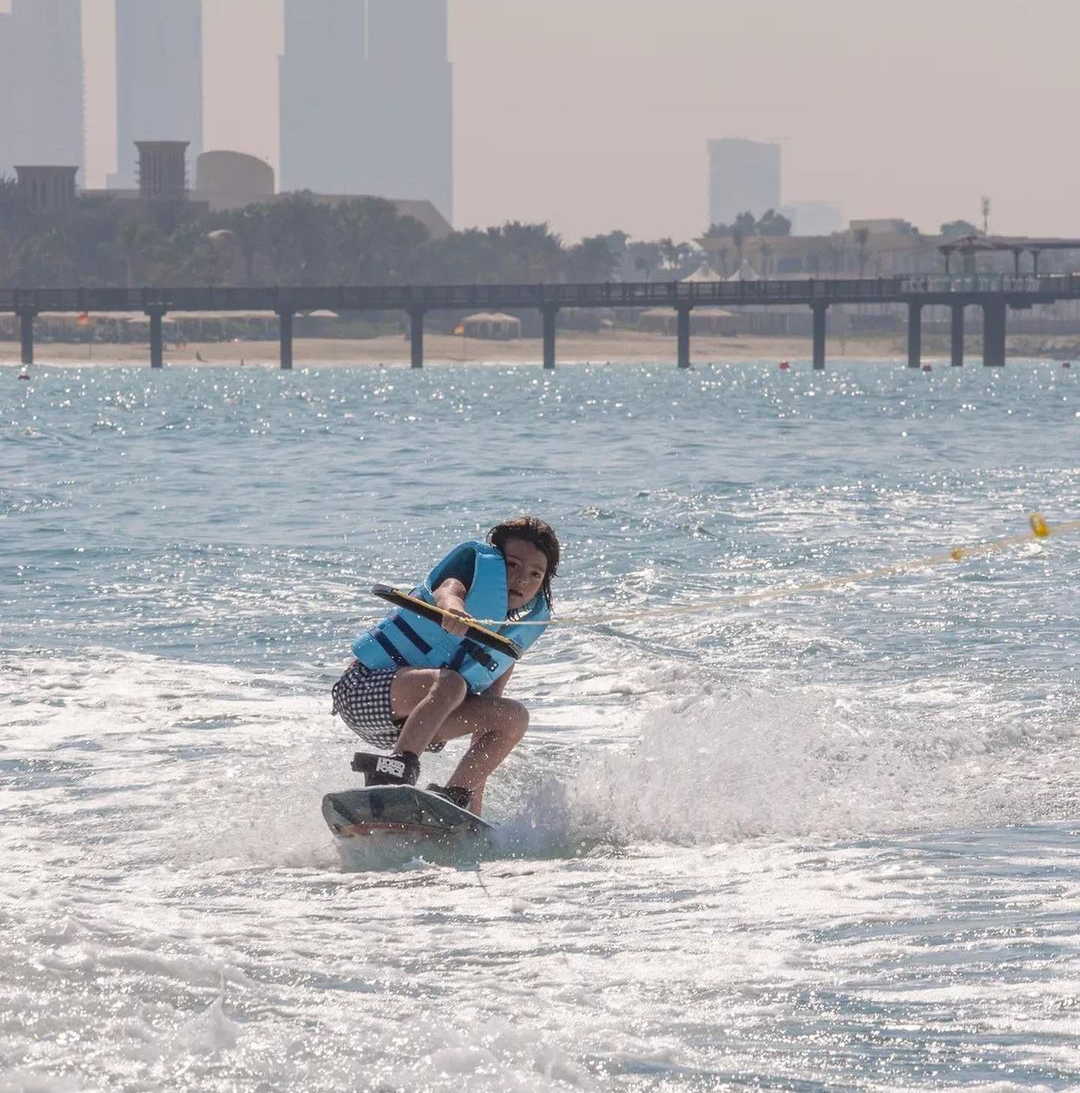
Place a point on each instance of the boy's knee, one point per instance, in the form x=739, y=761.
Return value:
x=451, y=684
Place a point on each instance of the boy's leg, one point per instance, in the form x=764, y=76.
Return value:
x=426, y=698
x=496, y=726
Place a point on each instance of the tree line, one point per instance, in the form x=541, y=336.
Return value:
x=299, y=240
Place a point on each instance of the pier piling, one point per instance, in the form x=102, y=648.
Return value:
x=682, y=327
x=157, y=338
x=26, y=335
x=994, y=332
x=819, y=310
x=548, y=313
x=416, y=336
x=956, y=332
x=285, y=339
x=914, y=335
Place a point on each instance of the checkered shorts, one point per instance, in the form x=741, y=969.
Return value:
x=362, y=699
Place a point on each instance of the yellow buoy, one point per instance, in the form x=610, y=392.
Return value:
x=1038, y=526
x=957, y=553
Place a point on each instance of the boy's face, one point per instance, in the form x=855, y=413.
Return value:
x=526, y=567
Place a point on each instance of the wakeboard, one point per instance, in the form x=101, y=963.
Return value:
x=399, y=810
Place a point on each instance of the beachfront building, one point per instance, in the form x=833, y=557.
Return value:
x=744, y=176
x=492, y=325
x=162, y=170
x=158, y=78
x=231, y=180
x=438, y=227
x=50, y=188
x=813, y=217
x=866, y=248
x=41, y=84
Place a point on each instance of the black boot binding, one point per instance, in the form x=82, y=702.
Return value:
x=456, y=795
x=399, y=769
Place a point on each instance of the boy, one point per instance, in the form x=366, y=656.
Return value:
x=415, y=684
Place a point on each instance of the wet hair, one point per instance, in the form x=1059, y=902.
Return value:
x=533, y=531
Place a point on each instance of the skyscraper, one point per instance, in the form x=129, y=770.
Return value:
x=44, y=106
x=7, y=158
x=158, y=78
x=366, y=99
x=411, y=90
x=323, y=101
x=744, y=176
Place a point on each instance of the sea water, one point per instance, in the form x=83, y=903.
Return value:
x=824, y=841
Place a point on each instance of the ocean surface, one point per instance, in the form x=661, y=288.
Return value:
x=829, y=841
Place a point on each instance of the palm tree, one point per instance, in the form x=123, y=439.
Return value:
x=248, y=227
x=765, y=250
x=738, y=237
x=130, y=234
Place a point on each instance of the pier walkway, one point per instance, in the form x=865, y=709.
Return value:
x=994, y=293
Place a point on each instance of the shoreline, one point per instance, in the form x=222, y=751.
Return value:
x=572, y=347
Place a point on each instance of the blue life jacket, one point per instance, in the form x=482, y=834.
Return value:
x=405, y=639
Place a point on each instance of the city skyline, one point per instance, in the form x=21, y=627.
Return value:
x=606, y=127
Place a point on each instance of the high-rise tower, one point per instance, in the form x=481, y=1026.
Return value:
x=744, y=176
x=7, y=96
x=366, y=99
x=323, y=98
x=158, y=78
x=411, y=92
x=45, y=93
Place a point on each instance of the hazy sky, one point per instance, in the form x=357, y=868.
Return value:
x=593, y=114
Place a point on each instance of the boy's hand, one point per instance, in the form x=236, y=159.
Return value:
x=456, y=623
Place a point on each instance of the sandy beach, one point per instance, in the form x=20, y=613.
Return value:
x=572, y=347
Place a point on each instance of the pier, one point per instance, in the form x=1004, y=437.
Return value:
x=995, y=294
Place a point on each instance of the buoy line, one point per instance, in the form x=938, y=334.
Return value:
x=1040, y=529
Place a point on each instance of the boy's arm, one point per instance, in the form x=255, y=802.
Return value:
x=450, y=596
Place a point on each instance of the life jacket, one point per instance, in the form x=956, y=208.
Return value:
x=405, y=639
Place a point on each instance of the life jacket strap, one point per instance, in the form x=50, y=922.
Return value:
x=411, y=634
x=389, y=648
x=471, y=649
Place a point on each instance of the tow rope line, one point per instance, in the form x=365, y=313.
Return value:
x=1039, y=530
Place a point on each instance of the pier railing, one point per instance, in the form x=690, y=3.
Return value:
x=927, y=289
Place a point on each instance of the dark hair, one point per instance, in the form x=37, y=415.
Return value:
x=533, y=531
